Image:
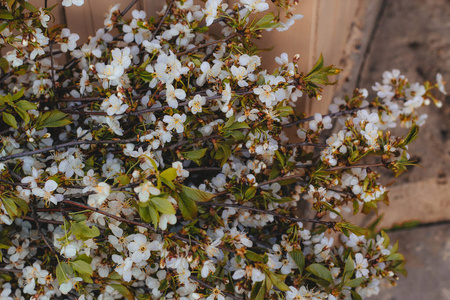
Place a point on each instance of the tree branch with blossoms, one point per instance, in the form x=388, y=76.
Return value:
x=155, y=161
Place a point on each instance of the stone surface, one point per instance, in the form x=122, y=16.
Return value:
x=427, y=251
x=414, y=37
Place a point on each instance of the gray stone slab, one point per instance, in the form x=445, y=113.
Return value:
x=427, y=251
x=414, y=37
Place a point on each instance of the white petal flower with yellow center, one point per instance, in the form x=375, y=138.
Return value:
x=266, y=95
x=102, y=191
x=47, y=192
x=175, y=122
x=145, y=190
x=173, y=94
x=196, y=104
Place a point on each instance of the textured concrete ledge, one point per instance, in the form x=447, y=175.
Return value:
x=427, y=251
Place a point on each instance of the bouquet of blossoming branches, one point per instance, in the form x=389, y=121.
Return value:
x=152, y=161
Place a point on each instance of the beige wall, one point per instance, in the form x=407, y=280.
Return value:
x=331, y=27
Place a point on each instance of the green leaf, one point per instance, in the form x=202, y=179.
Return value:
x=412, y=135
x=63, y=272
x=144, y=213
x=285, y=111
x=10, y=206
x=9, y=119
x=22, y=204
x=330, y=208
x=277, y=281
x=250, y=193
x=386, y=239
x=123, y=290
x=254, y=256
x=351, y=227
x=53, y=118
x=196, y=194
x=299, y=259
x=395, y=256
x=163, y=205
x=195, y=154
x=354, y=282
x=82, y=231
x=187, y=206
x=115, y=276
x=25, y=105
x=355, y=296
x=168, y=183
x=122, y=180
x=154, y=216
x=82, y=267
x=4, y=64
x=317, y=66
x=28, y=6
x=238, y=125
x=320, y=271
x=169, y=174
x=6, y=15
x=348, y=269
x=258, y=291
x=23, y=114
x=266, y=22
x=229, y=122
x=19, y=95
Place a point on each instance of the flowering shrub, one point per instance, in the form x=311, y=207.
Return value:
x=152, y=161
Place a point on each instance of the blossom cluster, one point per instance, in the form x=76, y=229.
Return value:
x=153, y=162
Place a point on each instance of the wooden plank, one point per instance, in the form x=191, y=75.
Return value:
x=325, y=28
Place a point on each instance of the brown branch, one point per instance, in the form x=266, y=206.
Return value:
x=268, y=212
x=208, y=44
x=208, y=286
x=10, y=270
x=38, y=227
x=139, y=112
x=52, y=70
x=355, y=166
x=43, y=220
x=169, y=7
x=6, y=76
x=64, y=145
x=305, y=144
x=331, y=115
x=201, y=169
x=129, y=6
x=231, y=14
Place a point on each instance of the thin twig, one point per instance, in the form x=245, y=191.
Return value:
x=355, y=166
x=208, y=44
x=331, y=115
x=268, y=212
x=7, y=75
x=43, y=220
x=10, y=270
x=52, y=70
x=129, y=6
x=169, y=7
x=64, y=145
x=208, y=286
x=38, y=227
x=305, y=144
